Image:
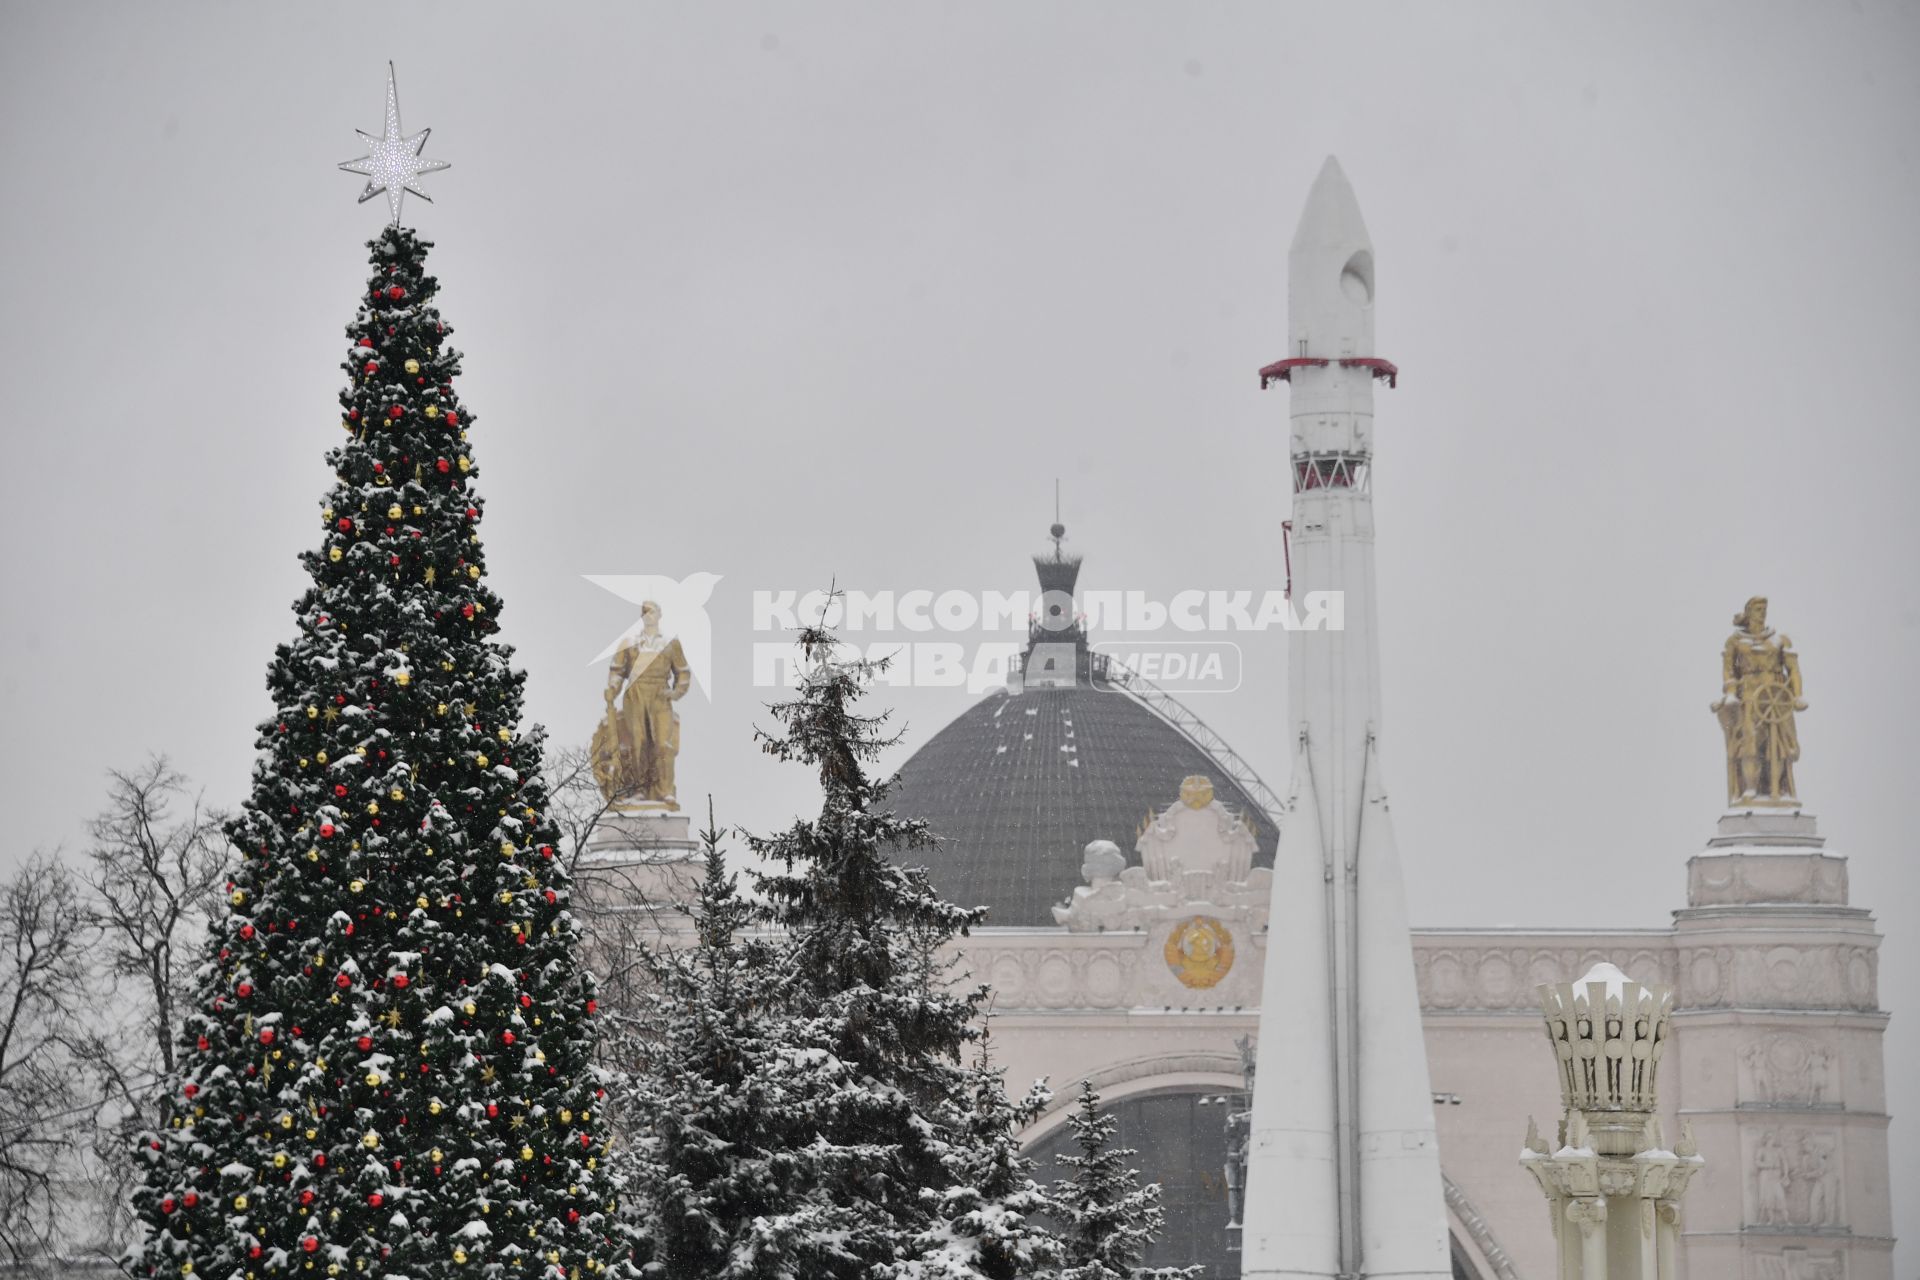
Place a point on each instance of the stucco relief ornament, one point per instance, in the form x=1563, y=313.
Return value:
x=393, y=160
x=1760, y=678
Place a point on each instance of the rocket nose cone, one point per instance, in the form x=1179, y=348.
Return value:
x=1332, y=218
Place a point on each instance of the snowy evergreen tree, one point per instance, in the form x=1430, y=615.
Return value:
x=863, y=954
x=719, y=1094
x=387, y=1060
x=1107, y=1219
x=990, y=1217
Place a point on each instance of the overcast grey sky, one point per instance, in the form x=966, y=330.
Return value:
x=790, y=292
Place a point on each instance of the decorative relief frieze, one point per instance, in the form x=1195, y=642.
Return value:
x=1747, y=879
x=1823, y=976
x=1460, y=974
x=1788, y=1069
x=1797, y=1264
x=1793, y=1178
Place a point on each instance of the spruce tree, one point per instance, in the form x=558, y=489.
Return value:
x=719, y=1095
x=1107, y=1220
x=387, y=1063
x=864, y=938
x=989, y=1220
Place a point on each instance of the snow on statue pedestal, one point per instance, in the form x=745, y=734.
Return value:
x=1613, y=1186
x=641, y=860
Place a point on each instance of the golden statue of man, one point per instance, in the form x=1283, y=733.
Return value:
x=1760, y=674
x=635, y=745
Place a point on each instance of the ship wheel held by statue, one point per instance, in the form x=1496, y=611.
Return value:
x=1772, y=705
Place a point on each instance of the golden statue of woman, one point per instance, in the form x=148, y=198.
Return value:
x=635, y=745
x=1760, y=675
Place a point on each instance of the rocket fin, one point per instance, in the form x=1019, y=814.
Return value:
x=1403, y=1217
x=1292, y=1228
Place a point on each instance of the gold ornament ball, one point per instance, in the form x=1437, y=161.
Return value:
x=413, y=366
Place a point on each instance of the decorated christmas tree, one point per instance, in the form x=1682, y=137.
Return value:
x=388, y=1060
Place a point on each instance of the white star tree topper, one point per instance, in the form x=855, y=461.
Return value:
x=393, y=162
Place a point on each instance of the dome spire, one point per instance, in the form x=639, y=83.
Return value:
x=1059, y=569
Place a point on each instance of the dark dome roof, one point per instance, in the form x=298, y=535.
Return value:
x=1020, y=783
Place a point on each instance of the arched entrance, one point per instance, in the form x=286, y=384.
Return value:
x=1180, y=1135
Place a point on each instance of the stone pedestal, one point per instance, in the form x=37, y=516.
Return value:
x=1785, y=1079
x=634, y=883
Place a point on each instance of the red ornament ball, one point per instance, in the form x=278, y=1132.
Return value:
x=343, y=982
x=400, y=981
x=453, y=419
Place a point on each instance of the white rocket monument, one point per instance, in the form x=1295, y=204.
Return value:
x=1343, y=1172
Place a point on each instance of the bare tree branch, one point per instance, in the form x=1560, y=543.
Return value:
x=45, y=1115
x=153, y=878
